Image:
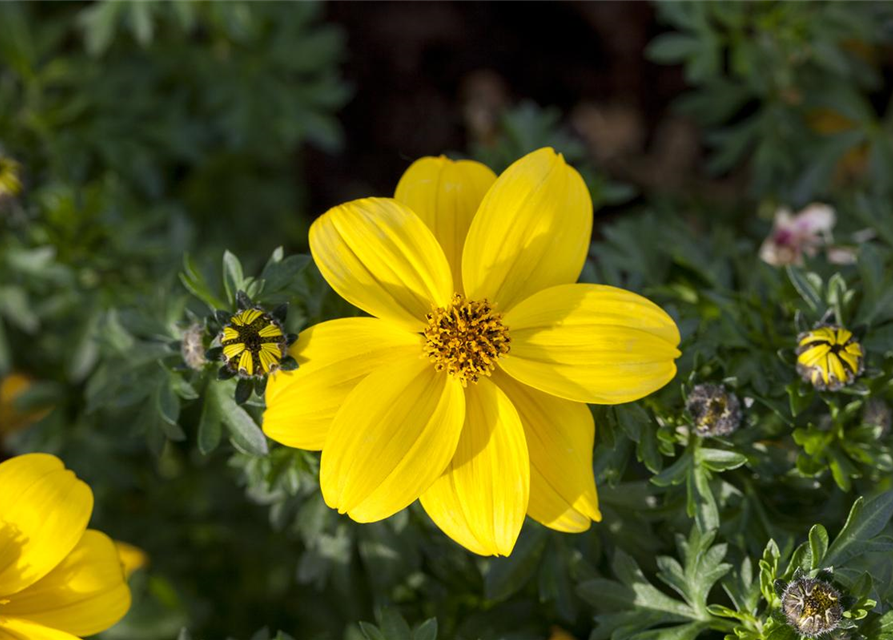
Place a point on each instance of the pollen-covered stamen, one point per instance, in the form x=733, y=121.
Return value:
x=466, y=338
x=253, y=343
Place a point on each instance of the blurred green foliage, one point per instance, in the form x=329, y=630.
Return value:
x=152, y=168
x=796, y=88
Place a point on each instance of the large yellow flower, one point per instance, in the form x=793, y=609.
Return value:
x=58, y=579
x=467, y=386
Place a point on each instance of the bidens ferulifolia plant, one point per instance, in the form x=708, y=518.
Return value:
x=392, y=426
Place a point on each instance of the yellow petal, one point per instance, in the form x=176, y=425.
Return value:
x=531, y=232
x=855, y=348
x=17, y=629
x=132, y=557
x=591, y=343
x=446, y=195
x=334, y=357
x=379, y=256
x=394, y=436
x=441, y=501
x=84, y=595
x=850, y=359
x=44, y=510
x=835, y=366
x=560, y=435
x=488, y=478
x=812, y=355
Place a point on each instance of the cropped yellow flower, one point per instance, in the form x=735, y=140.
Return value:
x=13, y=387
x=132, y=558
x=467, y=386
x=58, y=579
x=829, y=357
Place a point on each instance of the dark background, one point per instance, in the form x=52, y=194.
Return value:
x=431, y=77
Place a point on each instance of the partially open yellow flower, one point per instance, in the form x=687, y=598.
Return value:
x=58, y=579
x=467, y=387
x=829, y=357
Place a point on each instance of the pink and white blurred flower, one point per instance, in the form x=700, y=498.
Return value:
x=796, y=235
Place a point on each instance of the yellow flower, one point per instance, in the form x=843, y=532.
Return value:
x=59, y=580
x=829, y=357
x=253, y=343
x=467, y=387
x=10, y=178
x=560, y=634
x=12, y=387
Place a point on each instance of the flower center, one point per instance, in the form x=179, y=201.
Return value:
x=253, y=343
x=465, y=338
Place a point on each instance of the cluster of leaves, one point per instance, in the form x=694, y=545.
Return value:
x=99, y=305
x=795, y=88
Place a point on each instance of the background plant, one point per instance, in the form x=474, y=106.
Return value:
x=154, y=163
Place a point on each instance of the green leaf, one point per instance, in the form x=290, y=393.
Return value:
x=244, y=433
x=633, y=604
x=209, y=425
x=393, y=626
x=426, y=631
x=808, y=285
x=720, y=460
x=167, y=402
x=818, y=545
x=701, y=502
x=672, y=48
x=866, y=520
x=195, y=283
x=676, y=473
x=642, y=429
x=505, y=576
x=371, y=631
x=233, y=278
x=769, y=571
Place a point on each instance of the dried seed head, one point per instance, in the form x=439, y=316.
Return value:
x=192, y=347
x=812, y=607
x=716, y=411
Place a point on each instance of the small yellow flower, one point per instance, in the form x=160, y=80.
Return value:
x=467, y=387
x=253, y=343
x=59, y=580
x=560, y=634
x=132, y=558
x=10, y=178
x=12, y=387
x=829, y=357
